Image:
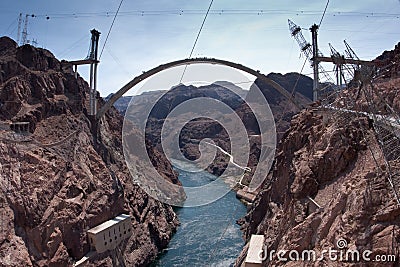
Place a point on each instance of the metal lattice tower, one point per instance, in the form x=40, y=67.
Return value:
x=25, y=30
x=19, y=27
x=351, y=54
x=307, y=49
x=344, y=74
x=298, y=36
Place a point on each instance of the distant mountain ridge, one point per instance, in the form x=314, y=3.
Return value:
x=292, y=82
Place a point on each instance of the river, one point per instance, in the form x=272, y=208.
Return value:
x=208, y=235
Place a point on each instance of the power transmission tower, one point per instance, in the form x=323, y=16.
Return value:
x=25, y=30
x=19, y=27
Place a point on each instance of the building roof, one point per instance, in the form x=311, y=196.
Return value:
x=107, y=224
x=255, y=248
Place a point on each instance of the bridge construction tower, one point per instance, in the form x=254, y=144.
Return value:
x=93, y=71
x=92, y=59
x=315, y=57
x=315, y=61
x=312, y=53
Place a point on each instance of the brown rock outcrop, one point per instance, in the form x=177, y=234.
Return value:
x=330, y=183
x=60, y=180
x=388, y=63
x=326, y=158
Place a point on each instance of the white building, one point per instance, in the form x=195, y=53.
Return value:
x=108, y=235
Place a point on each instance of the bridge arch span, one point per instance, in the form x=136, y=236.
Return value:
x=191, y=61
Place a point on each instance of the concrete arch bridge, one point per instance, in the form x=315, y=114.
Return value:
x=191, y=61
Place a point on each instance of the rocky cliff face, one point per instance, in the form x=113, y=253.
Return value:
x=59, y=181
x=326, y=186
x=389, y=62
x=327, y=160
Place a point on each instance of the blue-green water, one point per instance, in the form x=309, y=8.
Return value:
x=208, y=235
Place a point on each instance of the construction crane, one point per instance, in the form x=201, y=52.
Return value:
x=315, y=57
x=308, y=50
x=361, y=71
x=351, y=54
x=298, y=36
x=344, y=73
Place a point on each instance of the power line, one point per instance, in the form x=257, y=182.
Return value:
x=197, y=38
x=323, y=14
x=109, y=31
x=11, y=24
x=182, y=12
x=298, y=78
x=72, y=46
x=201, y=28
x=118, y=61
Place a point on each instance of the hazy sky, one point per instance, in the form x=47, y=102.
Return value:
x=250, y=32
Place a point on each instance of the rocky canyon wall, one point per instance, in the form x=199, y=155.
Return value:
x=58, y=181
